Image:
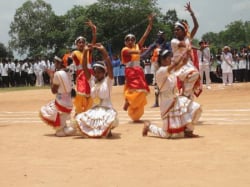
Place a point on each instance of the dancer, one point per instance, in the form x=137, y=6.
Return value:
x=181, y=44
x=179, y=114
x=101, y=118
x=136, y=88
x=56, y=112
x=82, y=101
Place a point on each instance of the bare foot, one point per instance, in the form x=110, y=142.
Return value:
x=125, y=106
x=109, y=134
x=145, y=128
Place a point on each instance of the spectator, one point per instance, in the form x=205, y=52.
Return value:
x=204, y=62
x=227, y=66
x=116, y=67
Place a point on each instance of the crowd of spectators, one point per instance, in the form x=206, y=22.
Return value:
x=30, y=72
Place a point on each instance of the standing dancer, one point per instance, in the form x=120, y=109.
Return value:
x=136, y=88
x=179, y=114
x=101, y=118
x=82, y=101
x=56, y=112
x=181, y=44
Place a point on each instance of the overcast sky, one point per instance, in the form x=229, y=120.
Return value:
x=212, y=15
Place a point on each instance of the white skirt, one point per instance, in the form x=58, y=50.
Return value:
x=50, y=115
x=185, y=70
x=97, y=121
x=181, y=113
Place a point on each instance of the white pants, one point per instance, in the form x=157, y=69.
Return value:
x=160, y=132
x=154, y=68
x=39, y=78
x=227, y=78
x=205, y=68
x=64, y=130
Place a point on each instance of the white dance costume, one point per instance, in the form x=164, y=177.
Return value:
x=101, y=118
x=188, y=73
x=56, y=112
x=177, y=112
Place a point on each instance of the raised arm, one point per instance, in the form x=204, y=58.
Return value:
x=195, y=22
x=146, y=33
x=85, y=62
x=93, y=28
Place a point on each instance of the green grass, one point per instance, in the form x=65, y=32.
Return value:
x=23, y=88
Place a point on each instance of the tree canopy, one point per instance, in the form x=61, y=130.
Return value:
x=236, y=35
x=37, y=31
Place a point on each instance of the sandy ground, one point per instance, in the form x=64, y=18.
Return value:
x=30, y=154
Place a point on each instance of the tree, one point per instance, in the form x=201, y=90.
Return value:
x=37, y=31
x=236, y=35
x=116, y=18
x=4, y=52
x=30, y=28
x=169, y=20
x=74, y=21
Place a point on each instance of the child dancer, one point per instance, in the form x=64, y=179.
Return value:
x=101, y=118
x=56, y=112
x=179, y=114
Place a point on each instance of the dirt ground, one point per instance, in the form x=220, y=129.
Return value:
x=31, y=156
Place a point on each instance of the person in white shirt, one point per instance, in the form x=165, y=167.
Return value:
x=17, y=73
x=24, y=73
x=235, y=64
x=204, y=62
x=227, y=66
x=4, y=73
x=242, y=65
x=31, y=73
x=45, y=74
x=11, y=72
x=40, y=69
x=147, y=71
x=1, y=81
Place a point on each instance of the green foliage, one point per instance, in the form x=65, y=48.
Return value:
x=236, y=35
x=37, y=31
x=116, y=18
x=30, y=28
x=169, y=20
x=4, y=52
x=74, y=21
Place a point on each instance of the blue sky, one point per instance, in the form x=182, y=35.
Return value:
x=212, y=15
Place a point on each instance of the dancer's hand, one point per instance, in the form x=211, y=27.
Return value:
x=91, y=24
x=151, y=18
x=188, y=8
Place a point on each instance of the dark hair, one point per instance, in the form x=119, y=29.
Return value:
x=163, y=54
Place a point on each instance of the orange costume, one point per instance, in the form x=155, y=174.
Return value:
x=65, y=59
x=136, y=88
x=82, y=101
